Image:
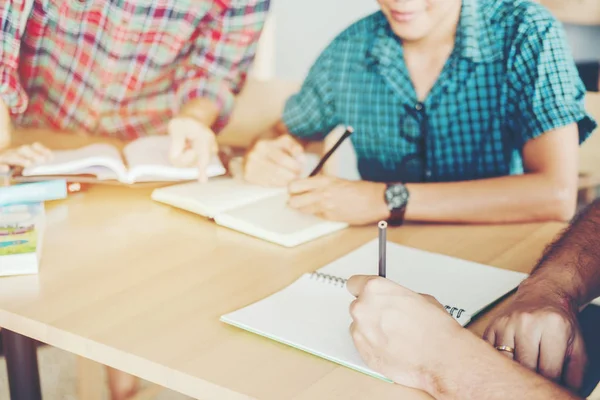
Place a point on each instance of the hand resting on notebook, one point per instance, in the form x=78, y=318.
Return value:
x=411, y=339
x=331, y=198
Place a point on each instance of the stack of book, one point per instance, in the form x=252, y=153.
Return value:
x=22, y=224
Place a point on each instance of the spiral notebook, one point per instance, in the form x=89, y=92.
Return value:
x=312, y=313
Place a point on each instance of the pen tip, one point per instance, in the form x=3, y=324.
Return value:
x=383, y=224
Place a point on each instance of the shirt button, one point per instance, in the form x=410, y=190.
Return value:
x=419, y=106
x=428, y=173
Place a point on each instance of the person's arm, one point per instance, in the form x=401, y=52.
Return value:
x=541, y=321
x=277, y=156
x=207, y=82
x=571, y=265
x=547, y=190
x=413, y=341
x=221, y=56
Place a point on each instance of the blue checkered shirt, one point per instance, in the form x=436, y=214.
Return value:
x=509, y=79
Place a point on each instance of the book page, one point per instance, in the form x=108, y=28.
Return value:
x=101, y=160
x=309, y=315
x=272, y=220
x=148, y=160
x=214, y=197
x=453, y=282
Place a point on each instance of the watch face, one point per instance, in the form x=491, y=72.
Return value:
x=396, y=196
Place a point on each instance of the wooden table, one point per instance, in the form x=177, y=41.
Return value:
x=140, y=286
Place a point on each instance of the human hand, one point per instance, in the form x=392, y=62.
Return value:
x=354, y=202
x=407, y=337
x=274, y=162
x=541, y=326
x=192, y=144
x=24, y=156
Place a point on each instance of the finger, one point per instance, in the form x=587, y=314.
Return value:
x=264, y=172
x=203, y=150
x=553, y=349
x=291, y=146
x=356, y=284
x=177, y=148
x=506, y=337
x=15, y=159
x=284, y=160
x=42, y=150
x=527, y=347
x=576, y=363
x=490, y=334
x=4, y=168
x=307, y=185
x=306, y=200
x=28, y=153
x=186, y=159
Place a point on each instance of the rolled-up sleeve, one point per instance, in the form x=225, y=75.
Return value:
x=311, y=113
x=547, y=92
x=223, y=51
x=11, y=90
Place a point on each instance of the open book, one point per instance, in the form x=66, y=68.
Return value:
x=312, y=314
x=250, y=209
x=146, y=160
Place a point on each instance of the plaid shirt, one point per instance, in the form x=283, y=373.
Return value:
x=509, y=79
x=123, y=68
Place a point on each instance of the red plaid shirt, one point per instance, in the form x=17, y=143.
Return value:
x=123, y=68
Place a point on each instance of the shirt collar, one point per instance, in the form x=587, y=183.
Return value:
x=475, y=39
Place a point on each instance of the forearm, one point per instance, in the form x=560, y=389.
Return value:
x=478, y=371
x=525, y=198
x=571, y=265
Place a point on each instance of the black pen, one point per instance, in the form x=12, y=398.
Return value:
x=382, y=247
x=349, y=131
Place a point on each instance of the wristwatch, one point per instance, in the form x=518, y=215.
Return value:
x=396, y=198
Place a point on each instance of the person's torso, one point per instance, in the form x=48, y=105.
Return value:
x=461, y=131
x=107, y=67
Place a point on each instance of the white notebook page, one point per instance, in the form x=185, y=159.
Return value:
x=452, y=281
x=308, y=315
x=313, y=314
x=214, y=197
x=102, y=160
x=148, y=160
x=272, y=220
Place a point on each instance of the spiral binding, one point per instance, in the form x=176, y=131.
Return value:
x=329, y=279
x=452, y=310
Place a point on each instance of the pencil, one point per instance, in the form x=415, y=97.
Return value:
x=382, y=247
x=349, y=131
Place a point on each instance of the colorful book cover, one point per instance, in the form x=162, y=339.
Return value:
x=20, y=235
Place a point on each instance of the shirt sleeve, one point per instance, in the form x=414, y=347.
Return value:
x=223, y=52
x=544, y=86
x=11, y=90
x=311, y=113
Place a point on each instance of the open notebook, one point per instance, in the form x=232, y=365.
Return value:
x=312, y=314
x=146, y=160
x=254, y=210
